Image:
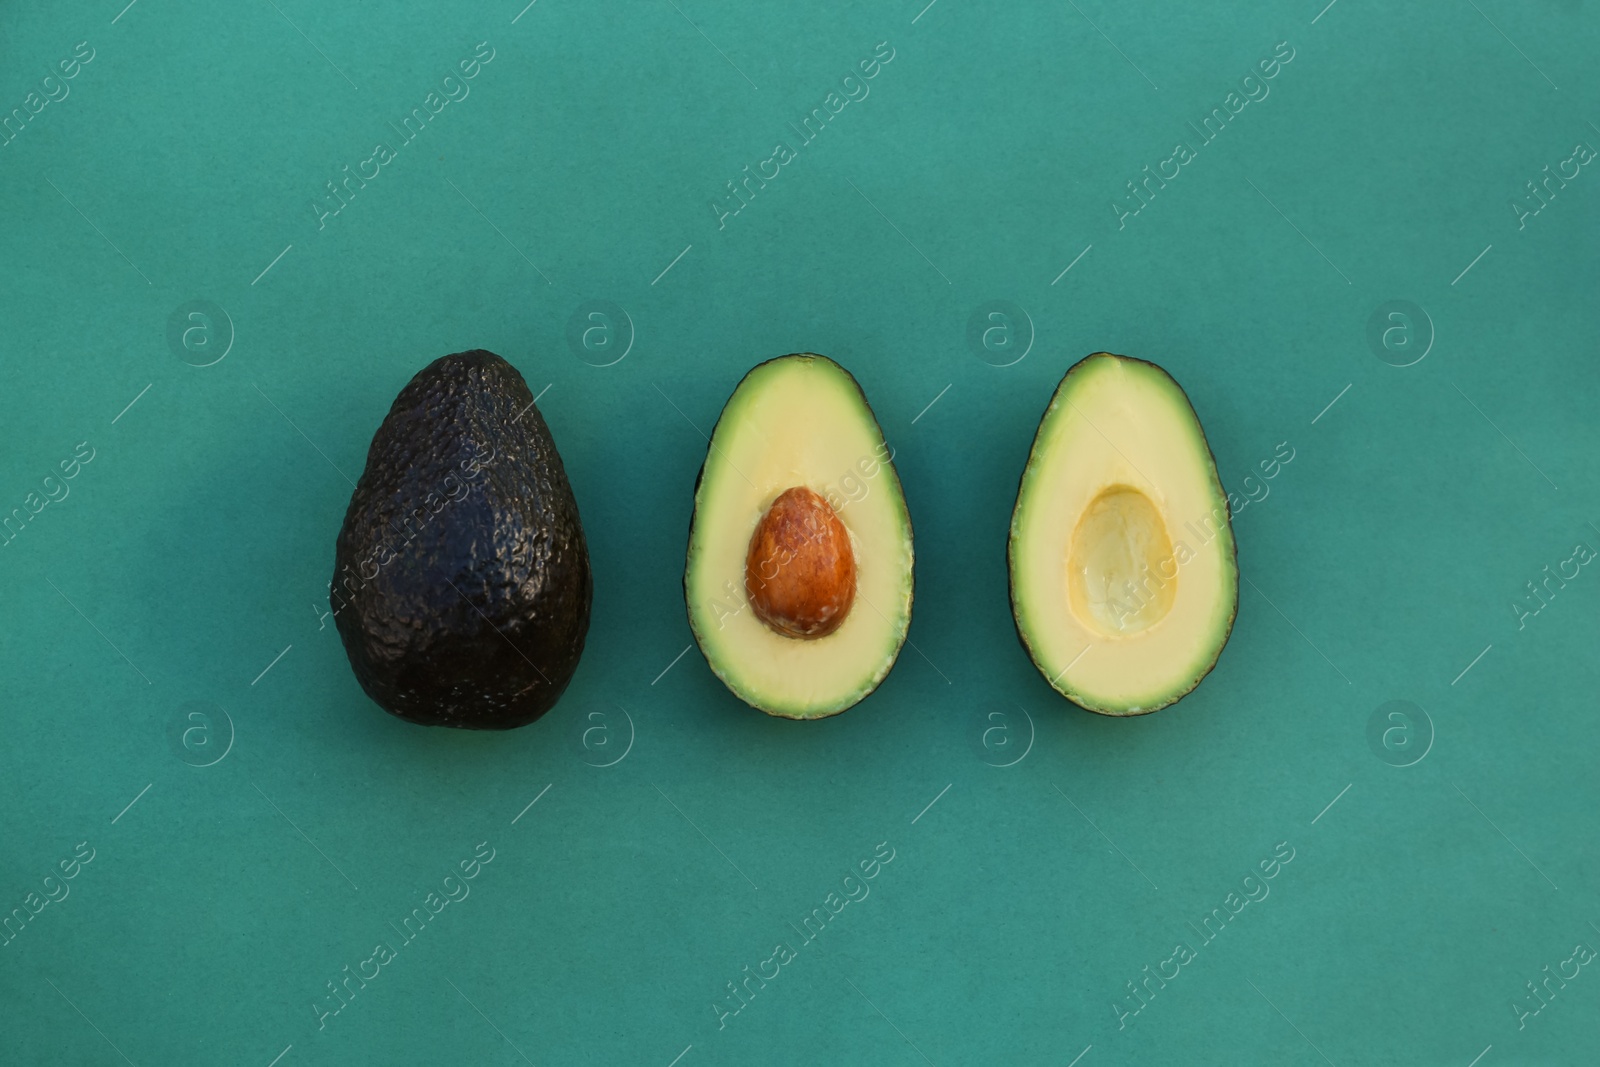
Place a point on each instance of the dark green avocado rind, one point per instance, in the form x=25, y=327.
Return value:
x=1216, y=484
x=899, y=495
x=461, y=585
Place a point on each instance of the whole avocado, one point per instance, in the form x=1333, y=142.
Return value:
x=461, y=584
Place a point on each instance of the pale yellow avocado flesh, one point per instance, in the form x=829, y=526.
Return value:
x=1124, y=581
x=799, y=420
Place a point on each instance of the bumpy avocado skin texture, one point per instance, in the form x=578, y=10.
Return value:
x=461, y=585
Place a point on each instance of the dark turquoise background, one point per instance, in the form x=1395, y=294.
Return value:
x=186, y=569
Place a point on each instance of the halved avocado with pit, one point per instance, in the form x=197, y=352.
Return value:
x=1124, y=575
x=799, y=573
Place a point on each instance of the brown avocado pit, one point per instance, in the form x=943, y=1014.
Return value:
x=800, y=572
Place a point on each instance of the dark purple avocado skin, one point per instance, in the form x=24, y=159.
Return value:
x=461, y=584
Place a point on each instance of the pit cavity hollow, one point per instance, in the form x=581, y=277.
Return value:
x=1121, y=574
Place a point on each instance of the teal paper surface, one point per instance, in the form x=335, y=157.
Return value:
x=1380, y=259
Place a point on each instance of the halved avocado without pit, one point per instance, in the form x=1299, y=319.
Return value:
x=799, y=572
x=1124, y=575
